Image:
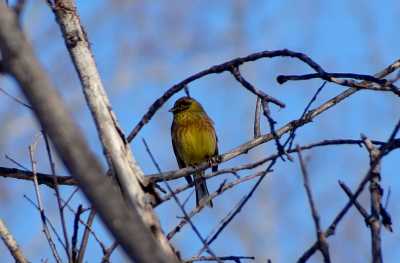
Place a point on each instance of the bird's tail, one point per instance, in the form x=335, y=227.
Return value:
x=201, y=190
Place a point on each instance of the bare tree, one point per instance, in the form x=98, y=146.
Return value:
x=125, y=198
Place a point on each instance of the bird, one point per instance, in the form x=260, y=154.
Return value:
x=194, y=141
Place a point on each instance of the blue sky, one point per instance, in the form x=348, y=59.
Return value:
x=142, y=48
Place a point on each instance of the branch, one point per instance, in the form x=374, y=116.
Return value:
x=45, y=179
x=289, y=141
x=386, y=219
x=257, y=128
x=85, y=236
x=260, y=94
x=359, y=207
x=58, y=195
x=52, y=227
x=322, y=244
x=371, y=83
x=40, y=205
x=176, y=174
x=74, y=239
x=238, y=207
x=178, y=202
x=384, y=150
x=88, y=228
x=376, y=195
x=227, y=66
x=109, y=251
x=217, y=69
x=244, y=148
x=213, y=195
x=11, y=244
x=226, y=258
x=18, y=58
x=265, y=99
x=118, y=154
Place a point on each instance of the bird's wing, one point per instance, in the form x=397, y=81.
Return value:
x=181, y=164
x=215, y=168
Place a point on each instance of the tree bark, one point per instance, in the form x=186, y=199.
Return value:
x=126, y=224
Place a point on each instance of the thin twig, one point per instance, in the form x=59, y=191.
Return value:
x=257, y=128
x=58, y=196
x=109, y=251
x=292, y=134
x=359, y=207
x=265, y=100
x=186, y=89
x=86, y=234
x=74, y=238
x=20, y=165
x=262, y=95
x=52, y=227
x=384, y=150
x=70, y=197
x=32, y=149
x=223, y=258
x=322, y=243
x=17, y=100
x=88, y=228
x=213, y=195
x=238, y=207
x=395, y=131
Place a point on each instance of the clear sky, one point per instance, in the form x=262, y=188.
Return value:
x=144, y=47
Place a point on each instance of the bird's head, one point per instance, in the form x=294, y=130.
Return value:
x=186, y=104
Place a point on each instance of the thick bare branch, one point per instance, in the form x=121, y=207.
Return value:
x=11, y=244
x=117, y=152
x=51, y=112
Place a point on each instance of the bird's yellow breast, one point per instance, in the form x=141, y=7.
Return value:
x=196, y=140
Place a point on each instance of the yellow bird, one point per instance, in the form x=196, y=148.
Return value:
x=194, y=141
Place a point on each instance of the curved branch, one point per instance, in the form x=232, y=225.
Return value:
x=217, y=69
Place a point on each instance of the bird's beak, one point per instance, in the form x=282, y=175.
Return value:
x=173, y=109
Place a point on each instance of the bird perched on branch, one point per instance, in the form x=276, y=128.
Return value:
x=194, y=141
